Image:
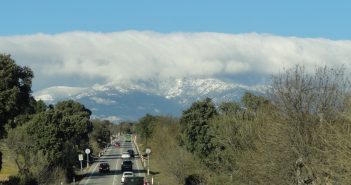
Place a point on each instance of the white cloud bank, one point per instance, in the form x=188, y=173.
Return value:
x=134, y=55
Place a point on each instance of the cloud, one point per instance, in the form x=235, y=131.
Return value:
x=113, y=119
x=135, y=55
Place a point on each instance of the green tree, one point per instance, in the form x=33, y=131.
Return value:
x=61, y=132
x=253, y=102
x=194, y=126
x=101, y=132
x=15, y=89
x=230, y=108
x=145, y=126
x=125, y=127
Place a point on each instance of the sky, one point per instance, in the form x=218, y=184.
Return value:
x=109, y=41
x=300, y=18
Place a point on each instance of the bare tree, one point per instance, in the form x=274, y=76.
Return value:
x=313, y=105
x=300, y=94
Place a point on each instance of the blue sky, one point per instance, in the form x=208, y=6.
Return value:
x=300, y=18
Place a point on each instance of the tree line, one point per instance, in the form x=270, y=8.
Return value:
x=44, y=140
x=297, y=133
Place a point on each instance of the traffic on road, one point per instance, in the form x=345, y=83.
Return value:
x=120, y=164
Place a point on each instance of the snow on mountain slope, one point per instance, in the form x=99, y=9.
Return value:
x=55, y=93
x=133, y=100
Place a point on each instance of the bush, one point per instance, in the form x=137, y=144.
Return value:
x=195, y=179
x=21, y=180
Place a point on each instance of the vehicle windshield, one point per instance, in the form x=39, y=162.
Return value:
x=127, y=162
x=104, y=164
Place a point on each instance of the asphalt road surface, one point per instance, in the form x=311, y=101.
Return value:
x=113, y=157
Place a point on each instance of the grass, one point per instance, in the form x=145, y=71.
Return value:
x=8, y=167
x=156, y=171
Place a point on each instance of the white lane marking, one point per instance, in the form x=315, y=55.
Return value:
x=114, y=177
x=91, y=173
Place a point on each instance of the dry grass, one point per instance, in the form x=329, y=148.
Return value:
x=9, y=167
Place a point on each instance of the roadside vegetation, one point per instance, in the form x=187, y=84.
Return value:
x=300, y=133
x=40, y=143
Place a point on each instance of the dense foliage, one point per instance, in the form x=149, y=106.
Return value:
x=101, y=135
x=145, y=127
x=194, y=126
x=44, y=141
x=15, y=89
x=298, y=134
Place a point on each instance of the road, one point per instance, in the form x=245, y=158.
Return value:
x=113, y=157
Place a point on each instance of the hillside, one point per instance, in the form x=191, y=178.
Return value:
x=130, y=101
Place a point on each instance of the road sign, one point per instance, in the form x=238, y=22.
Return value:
x=148, y=151
x=87, y=151
x=80, y=157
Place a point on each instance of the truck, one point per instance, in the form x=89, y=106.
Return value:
x=134, y=181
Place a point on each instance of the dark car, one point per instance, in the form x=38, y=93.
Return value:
x=131, y=153
x=134, y=181
x=127, y=166
x=104, y=167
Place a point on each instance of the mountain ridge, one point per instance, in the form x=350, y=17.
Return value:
x=132, y=100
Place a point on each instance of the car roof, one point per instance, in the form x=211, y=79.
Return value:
x=104, y=164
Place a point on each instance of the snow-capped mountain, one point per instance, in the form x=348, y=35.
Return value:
x=132, y=100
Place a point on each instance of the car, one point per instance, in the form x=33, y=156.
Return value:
x=126, y=174
x=128, y=138
x=131, y=153
x=104, y=167
x=127, y=165
x=125, y=155
x=134, y=181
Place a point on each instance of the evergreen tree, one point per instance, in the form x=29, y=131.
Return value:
x=15, y=90
x=195, y=127
x=145, y=126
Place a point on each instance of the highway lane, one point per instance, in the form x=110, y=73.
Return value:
x=113, y=157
